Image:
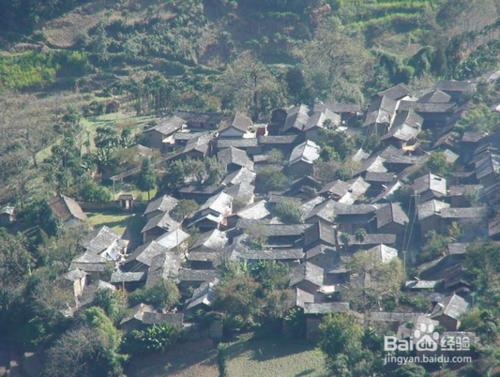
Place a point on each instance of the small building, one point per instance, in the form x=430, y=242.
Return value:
x=380, y=115
x=7, y=215
x=158, y=225
x=213, y=213
x=162, y=134
x=126, y=201
x=162, y=204
x=449, y=312
x=391, y=218
x=143, y=315
x=302, y=158
x=429, y=186
x=66, y=210
x=201, y=120
x=163, y=267
x=238, y=127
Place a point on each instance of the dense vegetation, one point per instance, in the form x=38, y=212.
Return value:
x=149, y=58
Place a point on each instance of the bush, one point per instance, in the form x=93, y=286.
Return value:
x=153, y=338
x=162, y=295
x=289, y=211
x=92, y=192
x=270, y=179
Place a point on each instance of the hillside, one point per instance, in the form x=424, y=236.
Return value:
x=249, y=187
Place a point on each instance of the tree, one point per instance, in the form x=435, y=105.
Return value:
x=153, y=338
x=289, y=211
x=91, y=192
x=237, y=296
x=435, y=246
x=163, y=295
x=248, y=85
x=438, y=164
x=335, y=62
x=377, y=280
x=270, y=179
x=340, y=341
x=90, y=348
x=409, y=370
x=147, y=177
x=183, y=209
x=15, y=259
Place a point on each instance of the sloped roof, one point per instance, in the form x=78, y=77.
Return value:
x=145, y=253
x=389, y=213
x=453, y=306
x=429, y=208
x=324, y=210
x=173, y=238
x=163, y=266
x=380, y=111
x=220, y=203
x=296, y=118
x=325, y=307
x=254, y=211
x=307, y=272
x=167, y=126
x=164, y=203
x=406, y=126
x=162, y=220
x=431, y=182
x=65, y=208
x=395, y=92
x=100, y=240
x=488, y=165
x=435, y=96
x=214, y=240
x=308, y=151
x=242, y=175
x=320, y=231
x=235, y=156
x=383, y=253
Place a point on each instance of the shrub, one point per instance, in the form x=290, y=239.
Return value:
x=162, y=295
x=289, y=211
x=153, y=338
x=270, y=179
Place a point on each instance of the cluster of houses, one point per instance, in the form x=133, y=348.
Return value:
x=361, y=214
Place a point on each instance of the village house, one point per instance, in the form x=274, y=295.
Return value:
x=238, y=127
x=161, y=135
x=302, y=159
x=66, y=210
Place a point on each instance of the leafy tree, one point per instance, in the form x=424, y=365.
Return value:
x=249, y=86
x=90, y=191
x=480, y=118
x=270, y=179
x=15, y=259
x=237, y=296
x=90, y=348
x=147, y=177
x=483, y=268
x=289, y=211
x=341, y=342
x=163, y=295
x=112, y=302
x=153, y=338
x=384, y=280
x=335, y=62
x=438, y=164
x=409, y=370
x=296, y=85
x=435, y=246
x=183, y=209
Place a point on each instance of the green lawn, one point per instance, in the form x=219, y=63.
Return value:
x=274, y=358
x=246, y=357
x=128, y=225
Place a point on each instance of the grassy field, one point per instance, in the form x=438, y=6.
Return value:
x=127, y=224
x=246, y=357
x=274, y=358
